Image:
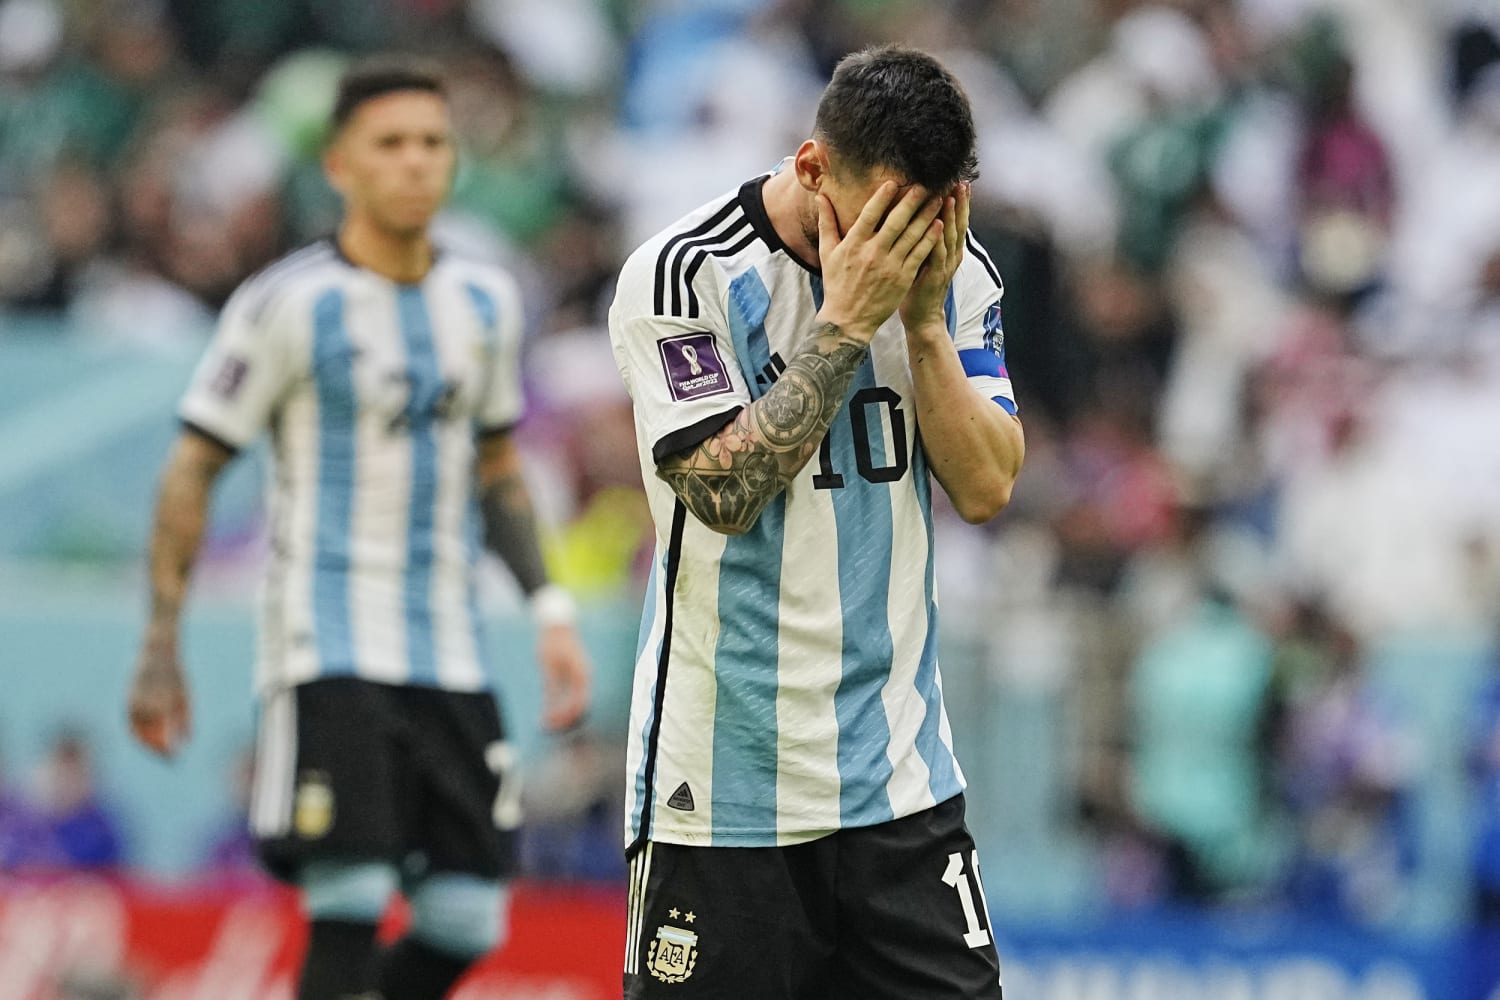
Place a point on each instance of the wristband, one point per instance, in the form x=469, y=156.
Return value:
x=552, y=605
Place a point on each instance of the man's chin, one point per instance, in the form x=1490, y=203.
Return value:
x=408, y=228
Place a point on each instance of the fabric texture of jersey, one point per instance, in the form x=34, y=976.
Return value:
x=372, y=392
x=786, y=680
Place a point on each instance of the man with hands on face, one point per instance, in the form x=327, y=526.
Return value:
x=804, y=355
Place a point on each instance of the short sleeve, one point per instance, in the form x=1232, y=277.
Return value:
x=979, y=331
x=682, y=373
x=503, y=401
x=245, y=372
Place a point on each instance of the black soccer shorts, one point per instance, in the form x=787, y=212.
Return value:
x=888, y=912
x=348, y=769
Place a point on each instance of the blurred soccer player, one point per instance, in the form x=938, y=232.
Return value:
x=801, y=354
x=386, y=372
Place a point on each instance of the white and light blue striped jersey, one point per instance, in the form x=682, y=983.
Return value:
x=373, y=393
x=786, y=680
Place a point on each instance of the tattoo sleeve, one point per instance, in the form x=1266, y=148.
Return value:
x=510, y=529
x=181, y=515
x=727, y=480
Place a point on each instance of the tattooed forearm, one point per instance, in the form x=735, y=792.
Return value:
x=510, y=529
x=727, y=480
x=181, y=515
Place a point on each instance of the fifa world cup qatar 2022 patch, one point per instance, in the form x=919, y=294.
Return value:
x=230, y=376
x=693, y=366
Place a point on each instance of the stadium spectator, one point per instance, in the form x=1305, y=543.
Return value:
x=1200, y=691
x=82, y=825
x=1347, y=764
x=25, y=841
x=1484, y=762
x=574, y=809
x=230, y=855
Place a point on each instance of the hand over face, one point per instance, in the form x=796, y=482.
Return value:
x=924, y=301
x=869, y=270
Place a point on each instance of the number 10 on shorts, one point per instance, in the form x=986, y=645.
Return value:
x=975, y=936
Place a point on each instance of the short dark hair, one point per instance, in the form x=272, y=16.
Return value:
x=896, y=107
x=376, y=78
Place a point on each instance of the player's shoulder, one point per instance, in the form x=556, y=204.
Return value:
x=288, y=278
x=657, y=278
x=477, y=271
x=712, y=217
x=977, y=273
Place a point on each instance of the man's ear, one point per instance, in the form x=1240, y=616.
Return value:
x=333, y=166
x=811, y=164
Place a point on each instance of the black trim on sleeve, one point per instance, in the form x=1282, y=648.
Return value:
x=686, y=437
x=754, y=202
x=208, y=435
x=674, y=561
x=495, y=430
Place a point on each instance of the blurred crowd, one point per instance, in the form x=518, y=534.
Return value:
x=1252, y=255
x=61, y=820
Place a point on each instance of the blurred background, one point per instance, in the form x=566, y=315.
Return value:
x=1223, y=677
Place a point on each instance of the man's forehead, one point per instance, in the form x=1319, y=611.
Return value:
x=400, y=109
x=877, y=176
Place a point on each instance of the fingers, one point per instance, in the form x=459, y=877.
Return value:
x=907, y=213
x=931, y=258
x=828, y=226
x=961, y=203
x=160, y=711
x=567, y=679
x=953, y=234
x=962, y=199
x=917, y=228
x=875, y=209
x=161, y=732
x=567, y=700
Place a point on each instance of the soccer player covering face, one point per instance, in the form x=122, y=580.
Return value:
x=805, y=355
x=385, y=370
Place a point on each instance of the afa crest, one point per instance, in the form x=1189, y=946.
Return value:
x=313, y=809
x=673, y=954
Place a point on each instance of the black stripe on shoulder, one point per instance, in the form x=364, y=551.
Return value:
x=692, y=435
x=692, y=271
x=662, y=259
x=736, y=224
x=983, y=257
x=674, y=562
x=685, y=268
x=495, y=430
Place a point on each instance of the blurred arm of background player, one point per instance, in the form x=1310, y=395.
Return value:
x=160, y=712
x=510, y=532
x=974, y=446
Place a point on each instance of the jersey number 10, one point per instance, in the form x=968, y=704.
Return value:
x=828, y=478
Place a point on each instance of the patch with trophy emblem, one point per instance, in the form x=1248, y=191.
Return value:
x=313, y=810
x=673, y=954
x=693, y=366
